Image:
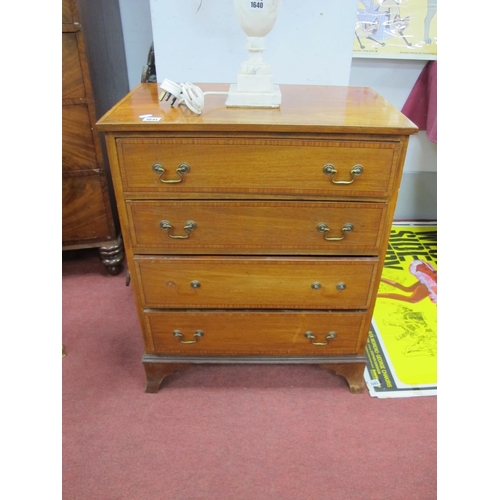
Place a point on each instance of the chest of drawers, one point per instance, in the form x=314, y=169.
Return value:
x=256, y=235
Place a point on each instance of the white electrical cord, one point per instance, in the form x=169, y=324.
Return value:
x=185, y=93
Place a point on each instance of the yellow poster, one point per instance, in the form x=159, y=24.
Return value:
x=404, y=29
x=405, y=315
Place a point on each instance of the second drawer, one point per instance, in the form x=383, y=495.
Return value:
x=253, y=282
x=226, y=227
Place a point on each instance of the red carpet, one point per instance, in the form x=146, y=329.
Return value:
x=221, y=432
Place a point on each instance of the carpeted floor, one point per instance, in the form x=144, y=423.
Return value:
x=221, y=432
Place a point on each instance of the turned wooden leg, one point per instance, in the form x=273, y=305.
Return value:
x=112, y=256
x=156, y=372
x=352, y=372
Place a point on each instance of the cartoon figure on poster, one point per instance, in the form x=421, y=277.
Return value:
x=418, y=337
x=425, y=286
x=381, y=22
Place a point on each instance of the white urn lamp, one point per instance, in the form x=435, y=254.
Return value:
x=255, y=84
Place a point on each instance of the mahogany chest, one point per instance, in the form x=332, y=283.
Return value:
x=256, y=235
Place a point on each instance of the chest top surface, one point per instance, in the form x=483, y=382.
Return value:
x=304, y=109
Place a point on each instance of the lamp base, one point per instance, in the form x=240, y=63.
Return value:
x=237, y=99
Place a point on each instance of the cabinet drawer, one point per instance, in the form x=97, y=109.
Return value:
x=84, y=209
x=256, y=227
x=78, y=147
x=267, y=283
x=72, y=77
x=259, y=332
x=176, y=167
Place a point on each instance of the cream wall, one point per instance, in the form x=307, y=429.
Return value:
x=137, y=36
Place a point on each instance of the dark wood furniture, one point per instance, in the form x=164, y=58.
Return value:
x=254, y=235
x=93, y=80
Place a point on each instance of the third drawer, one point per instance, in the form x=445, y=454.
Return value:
x=255, y=282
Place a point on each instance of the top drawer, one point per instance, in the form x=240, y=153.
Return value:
x=178, y=168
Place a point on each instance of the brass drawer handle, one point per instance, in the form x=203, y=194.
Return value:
x=182, y=169
x=323, y=228
x=190, y=226
x=356, y=171
x=311, y=337
x=197, y=334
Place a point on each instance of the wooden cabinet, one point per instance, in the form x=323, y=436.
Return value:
x=254, y=235
x=89, y=217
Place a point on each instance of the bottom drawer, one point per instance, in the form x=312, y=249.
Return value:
x=257, y=332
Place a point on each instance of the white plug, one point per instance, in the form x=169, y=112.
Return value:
x=170, y=89
x=185, y=93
